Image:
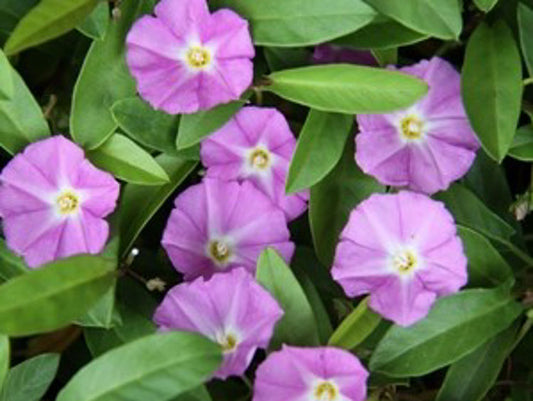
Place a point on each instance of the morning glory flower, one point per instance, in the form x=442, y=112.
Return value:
x=256, y=145
x=425, y=147
x=403, y=249
x=218, y=225
x=231, y=309
x=310, y=374
x=185, y=59
x=53, y=202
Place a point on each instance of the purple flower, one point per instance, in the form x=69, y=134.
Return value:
x=403, y=249
x=257, y=145
x=317, y=374
x=53, y=202
x=219, y=225
x=185, y=59
x=230, y=309
x=328, y=54
x=425, y=147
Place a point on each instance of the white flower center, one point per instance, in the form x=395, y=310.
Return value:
x=228, y=342
x=68, y=203
x=198, y=57
x=259, y=158
x=405, y=261
x=326, y=391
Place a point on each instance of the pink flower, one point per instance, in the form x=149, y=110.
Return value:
x=257, y=145
x=317, y=374
x=185, y=59
x=230, y=309
x=218, y=225
x=53, y=202
x=425, y=147
x=403, y=249
x=328, y=54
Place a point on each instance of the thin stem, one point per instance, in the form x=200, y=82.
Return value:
x=528, y=81
x=523, y=331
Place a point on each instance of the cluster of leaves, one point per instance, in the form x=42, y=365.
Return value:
x=64, y=71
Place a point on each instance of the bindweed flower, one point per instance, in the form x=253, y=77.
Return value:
x=257, y=145
x=328, y=54
x=310, y=374
x=403, y=249
x=185, y=59
x=53, y=202
x=218, y=225
x=425, y=147
x=230, y=309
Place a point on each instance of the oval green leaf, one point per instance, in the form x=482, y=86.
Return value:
x=298, y=324
x=29, y=380
x=48, y=20
x=104, y=79
x=319, y=148
x=287, y=23
x=6, y=81
x=52, y=296
x=158, y=367
x=439, y=18
x=485, y=5
x=4, y=357
x=471, y=377
x=349, y=89
x=21, y=118
x=356, y=327
x=11, y=265
x=139, y=203
x=128, y=161
x=333, y=199
x=522, y=147
x=525, y=25
x=492, y=87
x=486, y=267
x=455, y=326
x=96, y=23
x=381, y=33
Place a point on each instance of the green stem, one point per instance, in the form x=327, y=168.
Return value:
x=523, y=331
x=528, y=81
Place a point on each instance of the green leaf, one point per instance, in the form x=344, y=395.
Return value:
x=286, y=23
x=11, y=265
x=469, y=211
x=195, y=127
x=21, y=118
x=525, y=25
x=29, y=380
x=48, y=20
x=128, y=161
x=333, y=199
x=11, y=12
x=349, y=89
x=298, y=324
x=158, y=367
x=386, y=57
x=471, y=377
x=381, y=33
x=139, y=203
x=522, y=147
x=52, y=296
x=96, y=23
x=4, y=358
x=455, y=326
x=6, y=81
x=281, y=58
x=152, y=128
x=439, y=18
x=198, y=394
x=319, y=148
x=486, y=267
x=492, y=87
x=356, y=327
x=104, y=79
x=485, y=5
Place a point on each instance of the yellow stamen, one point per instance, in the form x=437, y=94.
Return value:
x=260, y=159
x=412, y=127
x=228, y=343
x=198, y=57
x=219, y=251
x=68, y=203
x=405, y=262
x=326, y=391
